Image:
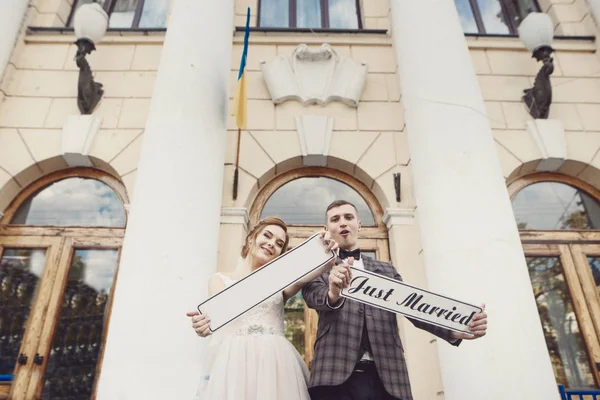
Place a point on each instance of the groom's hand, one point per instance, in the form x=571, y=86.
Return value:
x=339, y=278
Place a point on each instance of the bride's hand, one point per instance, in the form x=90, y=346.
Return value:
x=328, y=241
x=200, y=323
x=331, y=245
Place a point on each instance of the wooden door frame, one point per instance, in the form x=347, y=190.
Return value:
x=64, y=239
x=590, y=292
x=585, y=318
x=36, y=382
x=33, y=332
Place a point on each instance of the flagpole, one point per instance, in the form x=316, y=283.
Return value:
x=241, y=100
x=237, y=164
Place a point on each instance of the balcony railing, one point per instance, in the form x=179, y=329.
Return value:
x=575, y=394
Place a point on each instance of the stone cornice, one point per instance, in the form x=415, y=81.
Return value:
x=399, y=216
x=235, y=216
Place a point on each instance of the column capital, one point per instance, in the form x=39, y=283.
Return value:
x=399, y=216
x=235, y=216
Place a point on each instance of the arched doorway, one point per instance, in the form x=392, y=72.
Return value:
x=60, y=241
x=559, y=223
x=300, y=198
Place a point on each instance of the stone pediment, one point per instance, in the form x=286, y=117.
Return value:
x=314, y=77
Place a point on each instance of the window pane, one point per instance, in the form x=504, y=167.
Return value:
x=595, y=267
x=154, y=14
x=123, y=14
x=20, y=273
x=552, y=205
x=492, y=16
x=79, y=333
x=343, y=14
x=467, y=19
x=308, y=13
x=274, y=13
x=303, y=201
x=563, y=338
x=72, y=202
x=519, y=9
x=369, y=254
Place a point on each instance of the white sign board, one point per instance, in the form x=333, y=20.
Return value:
x=263, y=283
x=398, y=297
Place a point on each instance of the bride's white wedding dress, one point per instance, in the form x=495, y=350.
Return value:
x=250, y=358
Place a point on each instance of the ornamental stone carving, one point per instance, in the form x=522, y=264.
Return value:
x=314, y=77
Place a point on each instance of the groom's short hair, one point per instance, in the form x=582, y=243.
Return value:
x=339, y=203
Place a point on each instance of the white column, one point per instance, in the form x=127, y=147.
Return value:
x=595, y=9
x=171, y=242
x=12, y=13
x=470, y=240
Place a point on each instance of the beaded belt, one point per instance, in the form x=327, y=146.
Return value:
x=256, y=330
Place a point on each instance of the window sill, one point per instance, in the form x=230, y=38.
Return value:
x=515, y=36
x=295, y=36
x=315, y=30
x=512, y=42
x=263, y=36
x=32, y=30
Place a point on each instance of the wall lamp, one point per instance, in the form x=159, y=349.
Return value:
x=90, y=24
x=536, y=31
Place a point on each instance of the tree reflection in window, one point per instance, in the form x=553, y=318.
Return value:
x=553, y=205
x=72, y=202
x=20, y=272
x=75, y=350
x=303, y=201
x=563, y=337
x=294, y=322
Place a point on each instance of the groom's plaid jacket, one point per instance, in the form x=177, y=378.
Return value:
x=339, y=333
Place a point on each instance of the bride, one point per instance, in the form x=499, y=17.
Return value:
x=250, y=358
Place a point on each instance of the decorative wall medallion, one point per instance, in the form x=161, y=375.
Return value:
x=314, y=77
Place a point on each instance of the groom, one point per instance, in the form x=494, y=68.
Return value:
x=358, y=353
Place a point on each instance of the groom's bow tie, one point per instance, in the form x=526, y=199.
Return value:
x=344, y=254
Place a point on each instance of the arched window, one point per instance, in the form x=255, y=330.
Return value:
x=59, y=249
x=72, y=202
x=300, y=198
x=555, y=205
x=303, y=201
x=559, y=218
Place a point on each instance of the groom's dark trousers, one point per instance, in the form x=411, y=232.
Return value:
x=363, y=384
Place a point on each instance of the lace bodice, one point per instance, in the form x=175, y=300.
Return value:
x=264, y=319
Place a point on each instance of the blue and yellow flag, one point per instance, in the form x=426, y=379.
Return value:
x=241, y=101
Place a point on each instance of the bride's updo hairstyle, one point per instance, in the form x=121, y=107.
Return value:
x=251, y=237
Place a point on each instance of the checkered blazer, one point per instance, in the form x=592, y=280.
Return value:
x=339, y=333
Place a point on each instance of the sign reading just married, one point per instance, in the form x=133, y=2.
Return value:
x=263, y=283
x=395, y=296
